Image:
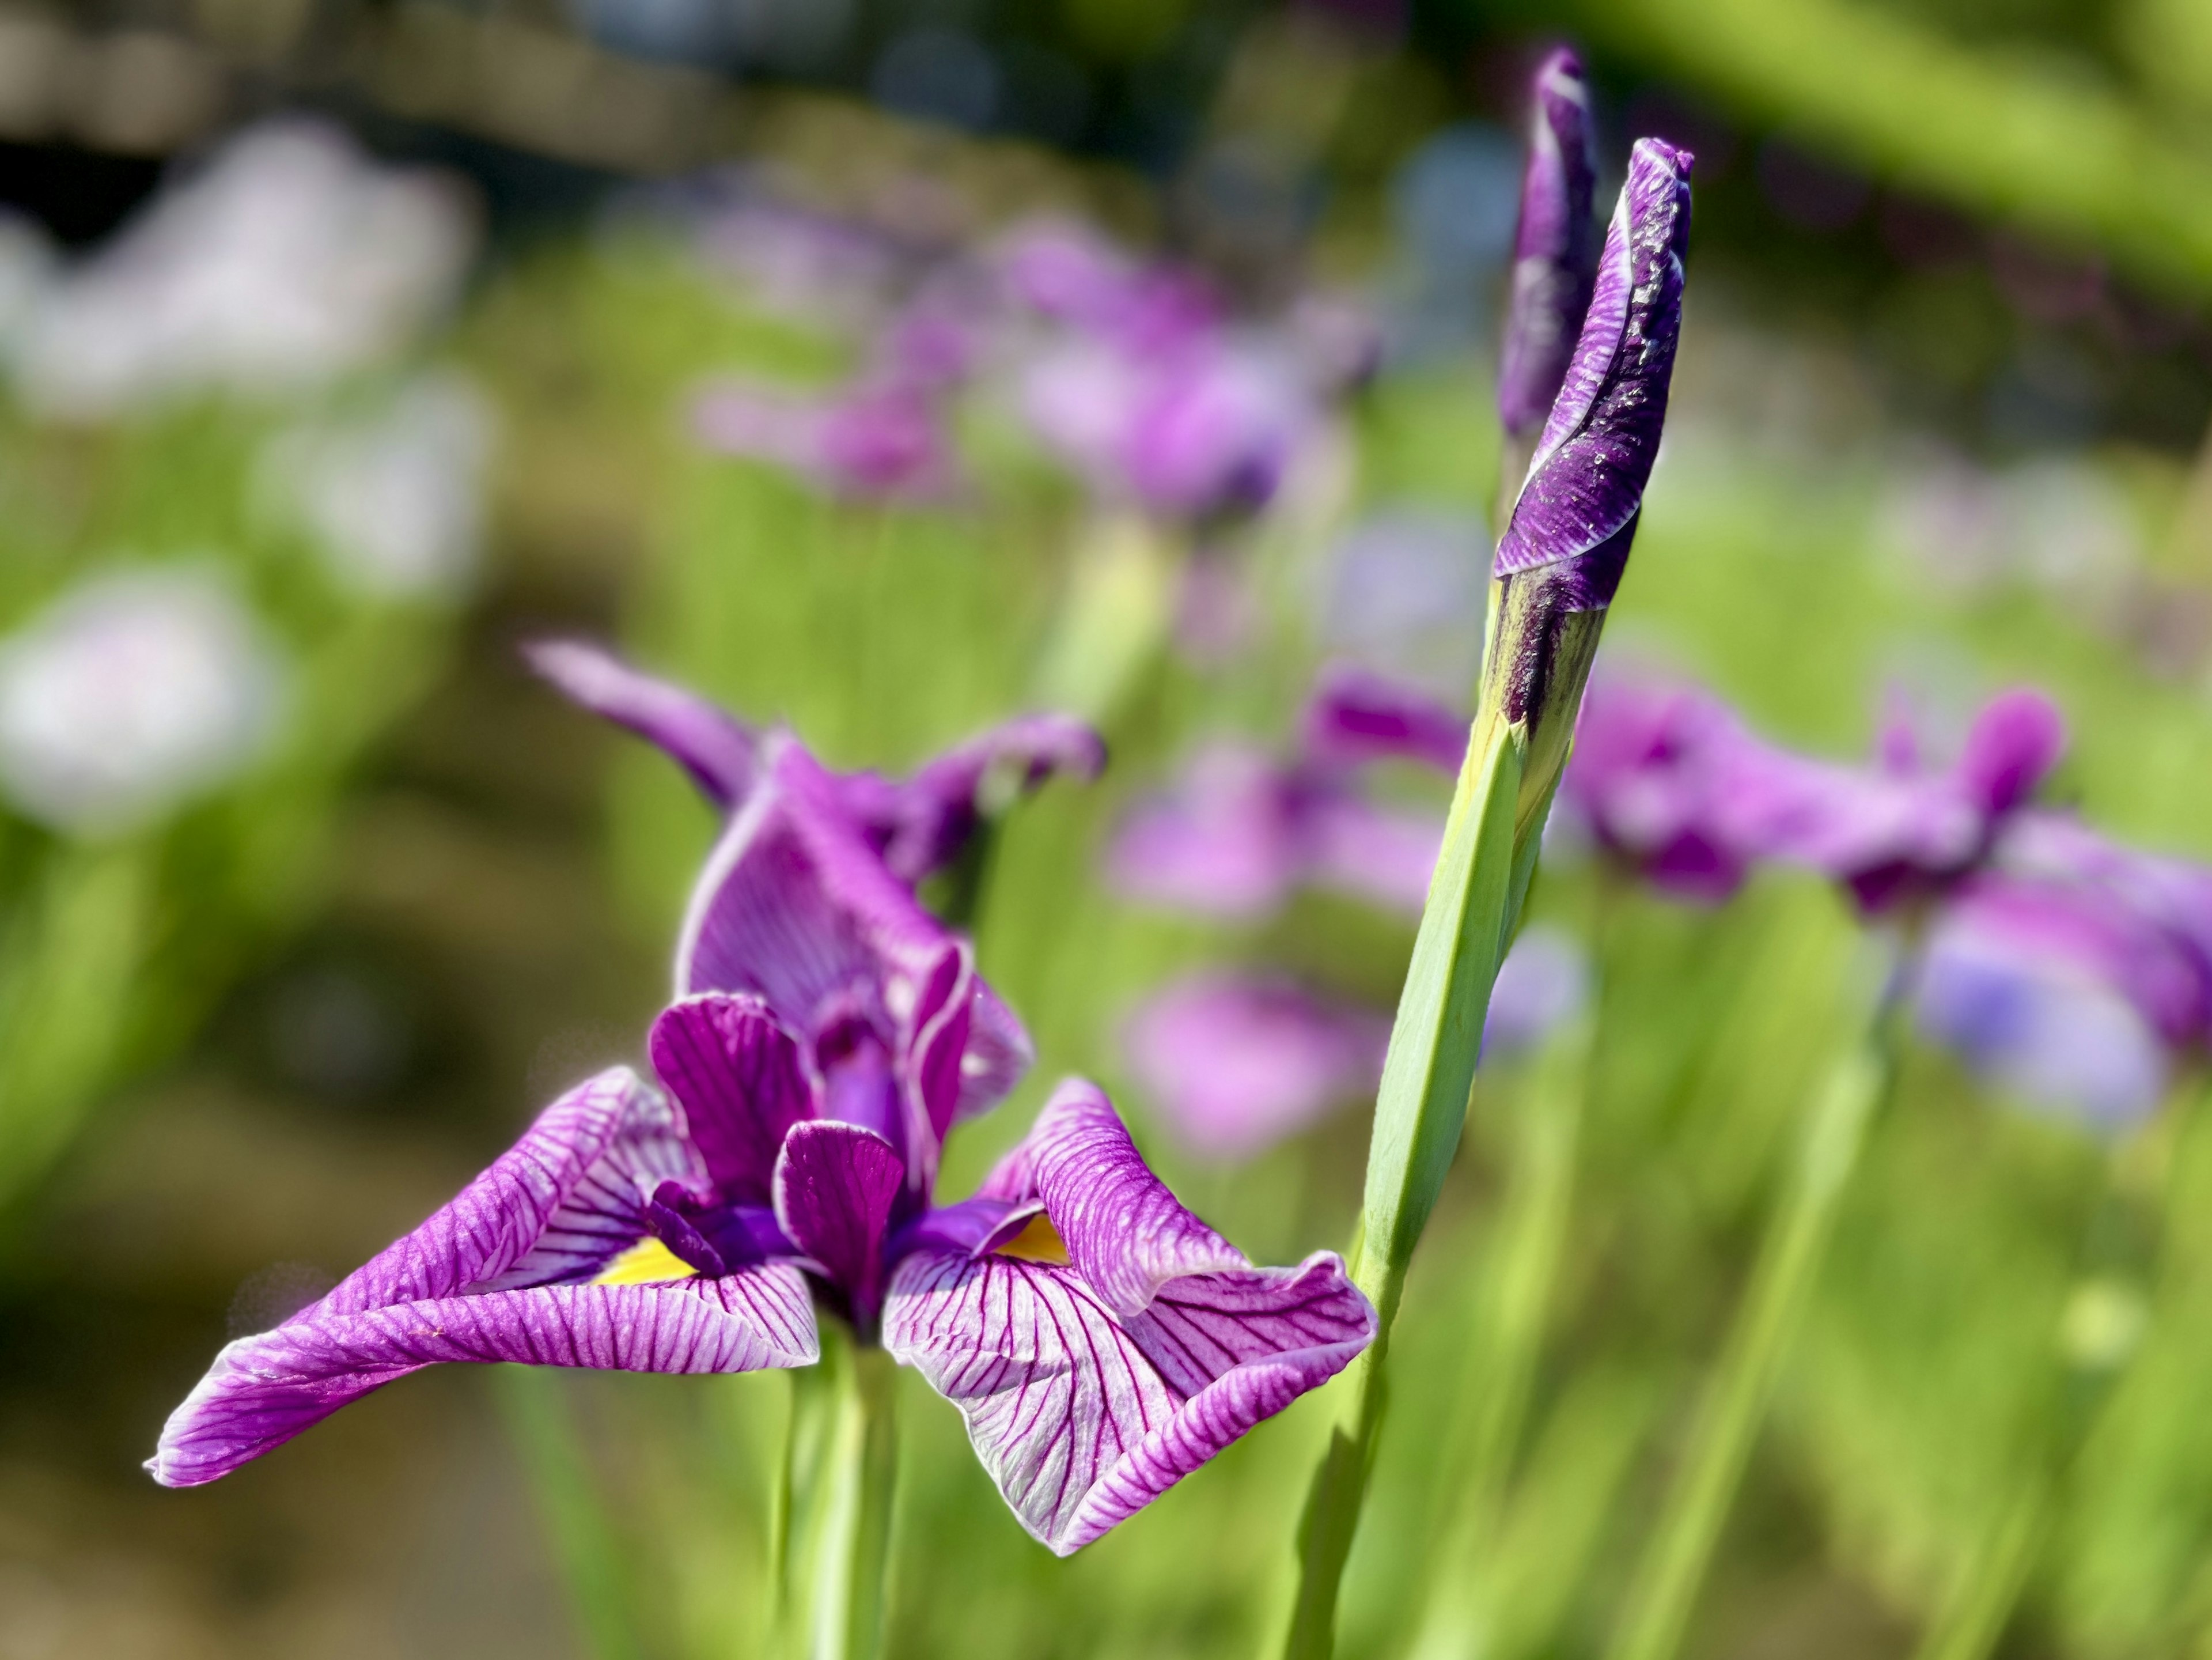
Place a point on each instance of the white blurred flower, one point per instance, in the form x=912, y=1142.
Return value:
x=290, y=259
x=132, y=693
x=395, y=501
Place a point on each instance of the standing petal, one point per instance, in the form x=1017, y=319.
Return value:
x=834, y=1187
x=737, y=1072
x=1081, y=1416
x=2015, y=739
x=264, y=1391
x=721, y=754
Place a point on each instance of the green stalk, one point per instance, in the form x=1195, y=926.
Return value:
x=1672, y=1569
x=583, y=1539
x=841, y=1472
x=1980, y=1607
x=1419, y=1112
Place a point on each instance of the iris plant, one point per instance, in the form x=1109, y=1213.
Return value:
x=827, y=1032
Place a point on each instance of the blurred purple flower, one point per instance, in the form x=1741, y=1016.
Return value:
x=1100, y=1341
x=1236, y=1063
x=2050, y=998
x=873, y=439
x=919, y=824
x=1554, y=248
x=1668, y=779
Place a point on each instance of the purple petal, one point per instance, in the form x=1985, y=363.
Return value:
x=1585, y=485
x=796, y=907
x=264, y=1391
x=738, y=1074
x=1649, y=764
x=1356, y=716
x=1554, y=248
x=560, y=1203
x=2014, y=741
x=1235, y=1065
x=1083, y=1416
x=721, y=754
x=1125, y=1233
x=923, y=822
x=834, y=1187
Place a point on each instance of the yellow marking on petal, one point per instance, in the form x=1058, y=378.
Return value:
x=1037, y=1242
x=648, y=1262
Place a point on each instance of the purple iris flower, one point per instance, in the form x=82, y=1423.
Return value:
x=1554, y=249
x=1100, y=1341
x=1241, y=830
x=1670, y=779
x=918, y=825
x=1237, y=1063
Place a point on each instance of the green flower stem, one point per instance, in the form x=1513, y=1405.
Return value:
x=1981, y=1605
x=841, y=1473
x=585, y=1545
x=1419, y=1113
x=1673, y=1569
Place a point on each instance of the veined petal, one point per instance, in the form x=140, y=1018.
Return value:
x=1126, y=1234
x=834, y=1187
x=263, y=1390
x=738, y=1074
x=1082, y=1417
x=561, y=1202
x=721, y=753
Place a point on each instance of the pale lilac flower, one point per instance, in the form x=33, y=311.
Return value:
x=1554, y=248
x=1240, y=831
x=918, y=825
x=290, y=259
x=394, y=501
x=2052, y=999
x=1100, y=1341
x=131, y=694
x=1235, y=1064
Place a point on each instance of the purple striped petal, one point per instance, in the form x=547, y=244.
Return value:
x=1083, y=1416
x=1356, y=716
x=1235, y=1065
x=1554, y=248
x=834, y=1187
x=738, y=1074
x=559, y=1204
x=721, y=754
x=1585, y=483
x=264, y=1391
x=1125, y=1233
